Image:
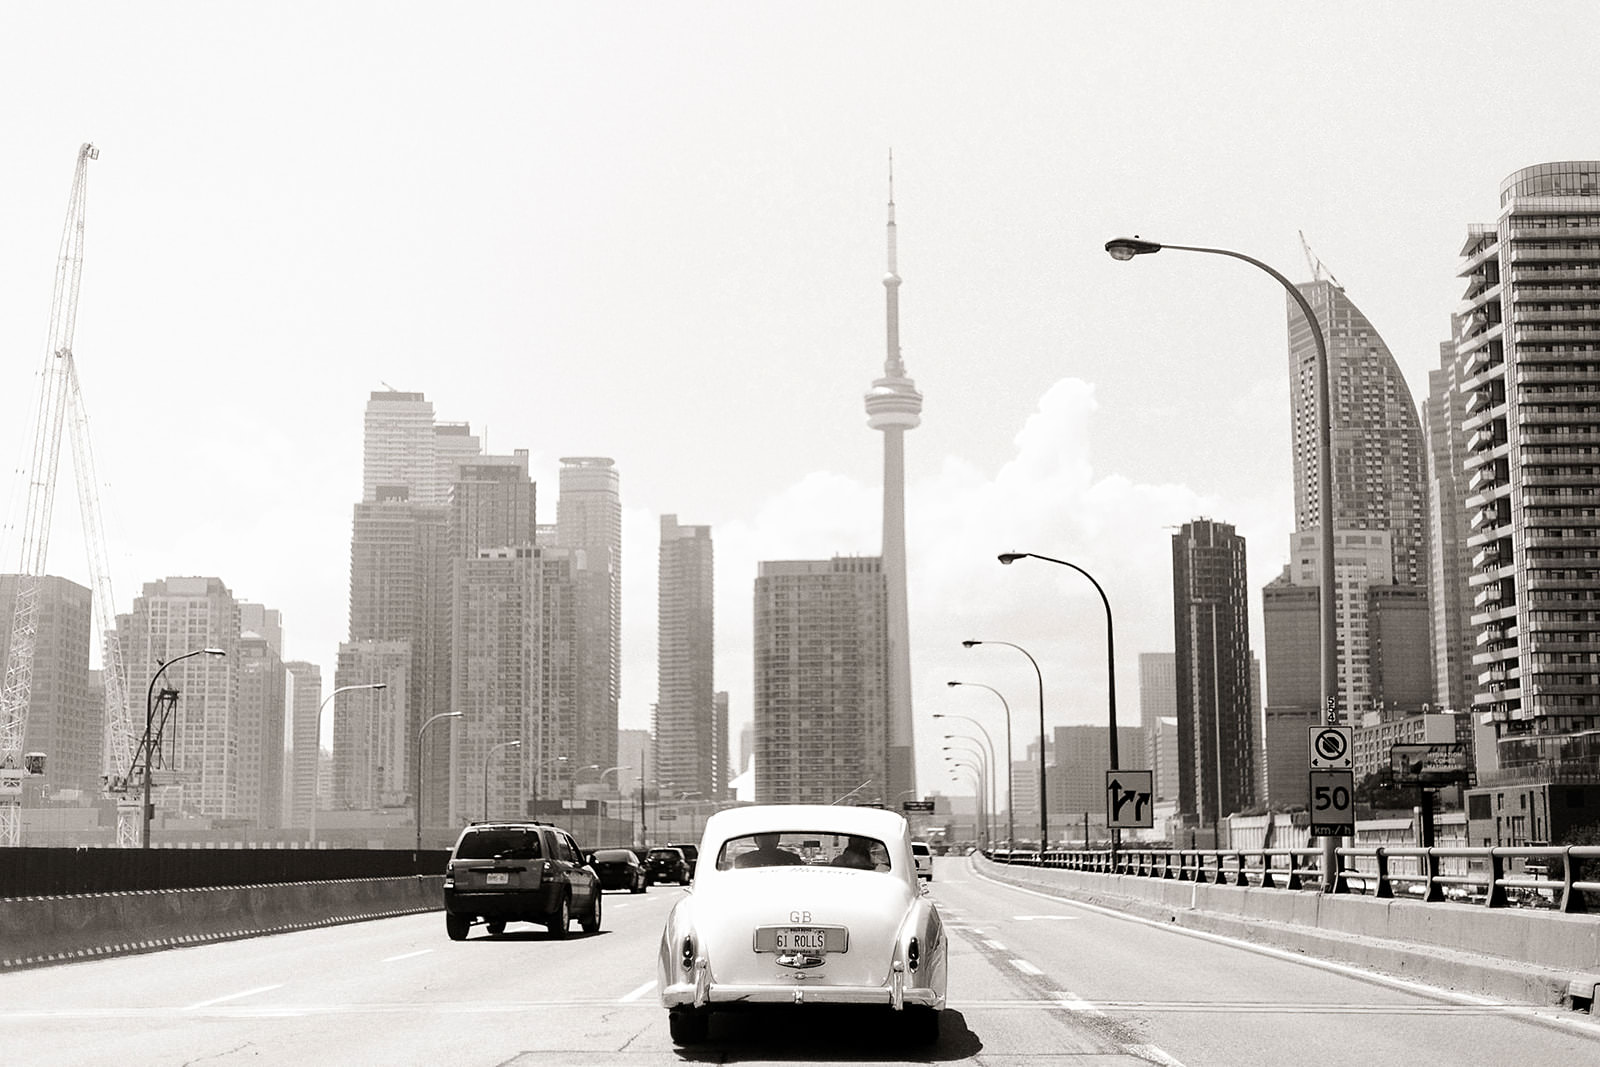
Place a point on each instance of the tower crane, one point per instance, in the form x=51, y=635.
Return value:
x=60, y=410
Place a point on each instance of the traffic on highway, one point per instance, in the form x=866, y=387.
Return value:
x=1030, y=978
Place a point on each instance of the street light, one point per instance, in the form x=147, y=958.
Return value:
x=993, y=762
x=423, y=730
x=955, y=765
x=853, y=792
x=1125, y=248
x=538, y=783
x=149, y=716
x=602, y=782
x=1011, y=797
x=988, y=772
x=1044, y=798
x=316, y=748
x=486, y=757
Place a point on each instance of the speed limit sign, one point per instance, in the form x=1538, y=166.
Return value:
x=1333, y=804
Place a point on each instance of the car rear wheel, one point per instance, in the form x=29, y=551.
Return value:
x=688, y=1026
x=496, y=928
x=561, y=921
x=591, y=924
x=457, y=926
x=638, y=887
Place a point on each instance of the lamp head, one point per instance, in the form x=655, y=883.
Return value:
x=214, y=652
x=952, y=683
x=1008, y=558
x=1125, y=248
x=968, y=644
x=378, y=685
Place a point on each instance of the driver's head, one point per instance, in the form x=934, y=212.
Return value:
x=766, y=840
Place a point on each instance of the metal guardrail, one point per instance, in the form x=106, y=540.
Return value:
x=30, y=872
x=1494, y=877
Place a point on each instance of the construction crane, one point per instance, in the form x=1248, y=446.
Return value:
x=1317, y=268
x=60, y=409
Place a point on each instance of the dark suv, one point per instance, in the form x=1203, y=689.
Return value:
x=691, y=853
x=666, y=865
x=519, y=872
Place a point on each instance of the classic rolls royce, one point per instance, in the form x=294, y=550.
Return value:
x=804, y=904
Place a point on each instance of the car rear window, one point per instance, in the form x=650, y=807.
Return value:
x=510, y=844
x=665, y=854
x=811, y=848
x=613, y=855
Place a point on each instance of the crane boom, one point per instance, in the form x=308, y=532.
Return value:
x=54, y=388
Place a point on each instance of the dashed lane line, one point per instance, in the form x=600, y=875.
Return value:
x=233, y=996
x=638, y=993
x=407, y=955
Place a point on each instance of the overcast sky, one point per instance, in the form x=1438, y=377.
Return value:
x=656, y=232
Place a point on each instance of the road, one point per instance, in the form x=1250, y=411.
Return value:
x=1033, y=980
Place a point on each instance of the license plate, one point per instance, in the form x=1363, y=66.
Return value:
x=798, y=939
x=498, y=878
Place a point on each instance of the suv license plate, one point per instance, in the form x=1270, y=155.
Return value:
x=794, y=939
x=498, y=878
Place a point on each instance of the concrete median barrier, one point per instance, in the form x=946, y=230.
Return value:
x=1530, y=957
x=38, y=931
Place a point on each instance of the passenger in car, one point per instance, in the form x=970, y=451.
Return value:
x=857, y=853
x=768, y=854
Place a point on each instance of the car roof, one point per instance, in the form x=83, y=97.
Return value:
x=887, y=826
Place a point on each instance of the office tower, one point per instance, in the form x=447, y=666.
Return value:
x=1078, y=781
x=685, y=725
x=373, y=746
x=589, y=517
x=518, y=648
x=635, y=749
x=261, y=685
x=1217, y=744
x=1285, y=733
x=1379, y=471
x=821, y=682
x=62, y=723
x=893, y=407
x=1158, y=703
x=197, y=763
x=722, y=774
x=1529, y=350
x=402, y=445
x=1443, y=418
x=305, y=699
x=492, y=504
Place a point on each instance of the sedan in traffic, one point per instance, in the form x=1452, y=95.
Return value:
x=619, y=868
x=804, y=904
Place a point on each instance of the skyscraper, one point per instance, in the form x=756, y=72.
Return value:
x=821, y=682
x=1217, y=737
x=1379, y=485
x=589, y=517
x=305, y=698
x=1158, y=715
x=1443, y=418
x=687, y=759
x=170, y=618
x=893, y=407
x=63, y=723
x=1529, y=350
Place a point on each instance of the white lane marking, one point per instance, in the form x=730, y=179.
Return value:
x=994, y=944
x=1025, y=967
x=1030, y=918
x=641, y=991
x=233, y=996
x=407, y=955
x=1153, y=1054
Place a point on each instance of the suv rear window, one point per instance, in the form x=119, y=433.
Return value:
x=511, y=844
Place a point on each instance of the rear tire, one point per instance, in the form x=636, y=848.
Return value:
x=496, y=928
x=688, y=1026
x=457, y=925
x=560, y=923
x=591, y=923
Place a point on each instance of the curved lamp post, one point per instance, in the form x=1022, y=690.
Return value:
x=1125, y=248
x=420, y=732
x=149, y=715
x=602, y=781
x=1044, y=797
x=486, y=757
x=1009, y=558
x=538, y=782
x=1011, y=799
x=993, y=763
x=316, y=762
x=955, y=765
x=976, y=749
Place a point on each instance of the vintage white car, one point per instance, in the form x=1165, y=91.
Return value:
x=804, y=904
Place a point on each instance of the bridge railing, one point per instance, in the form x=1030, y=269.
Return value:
x=1563, y=878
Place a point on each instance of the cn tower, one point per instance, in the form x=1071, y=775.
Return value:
x=894, y=406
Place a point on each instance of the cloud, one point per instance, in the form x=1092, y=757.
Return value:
x=1049, y=499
